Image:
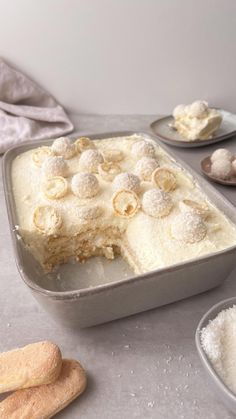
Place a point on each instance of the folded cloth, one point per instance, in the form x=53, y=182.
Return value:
x=27, y=112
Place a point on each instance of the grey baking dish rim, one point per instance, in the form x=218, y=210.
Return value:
x=204, y=359
x=76, y=294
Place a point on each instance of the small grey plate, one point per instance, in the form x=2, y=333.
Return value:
x=161, y=128
x=206, y=170
x=226, y=395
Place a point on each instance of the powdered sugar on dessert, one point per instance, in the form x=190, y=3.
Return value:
x=135, y=221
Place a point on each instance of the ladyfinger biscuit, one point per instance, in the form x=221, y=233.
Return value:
x=30, y=366
x=43, y=402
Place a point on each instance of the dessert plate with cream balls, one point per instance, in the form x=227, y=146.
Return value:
x=195, y=125
x=220, y=167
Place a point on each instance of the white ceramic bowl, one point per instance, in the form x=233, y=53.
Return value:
x=224, y=393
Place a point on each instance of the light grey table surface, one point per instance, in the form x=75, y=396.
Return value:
x=144, y=366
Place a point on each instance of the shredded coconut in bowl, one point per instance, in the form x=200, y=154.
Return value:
x=218, y=340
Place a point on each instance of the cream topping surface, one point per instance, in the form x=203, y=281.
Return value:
x=148, y=239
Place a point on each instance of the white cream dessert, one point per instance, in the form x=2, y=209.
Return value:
x=117, y=195
x=196, y=121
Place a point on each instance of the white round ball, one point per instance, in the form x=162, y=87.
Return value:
x=198, y=108
x=179, y=111
x=126, y=181
x=63, y=147
x=156, y=203
x=222, y=169
x=90, y=160
x=55, y=166
x=142, y=148
x=234, y=166
x=84, y=185
x=89, y=212
x=188, y=228
x=221, y=154
x=145, y=167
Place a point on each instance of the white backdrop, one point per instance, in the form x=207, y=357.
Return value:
x=124, y=56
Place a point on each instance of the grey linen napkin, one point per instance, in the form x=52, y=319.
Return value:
x=27, y=112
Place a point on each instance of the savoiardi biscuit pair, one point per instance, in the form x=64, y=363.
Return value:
x=43, y=382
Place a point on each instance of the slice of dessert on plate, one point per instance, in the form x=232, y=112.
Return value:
x=196, y=121
x=195, y=125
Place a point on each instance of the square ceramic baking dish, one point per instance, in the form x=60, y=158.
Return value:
x=100, y=291
x=221, y=390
